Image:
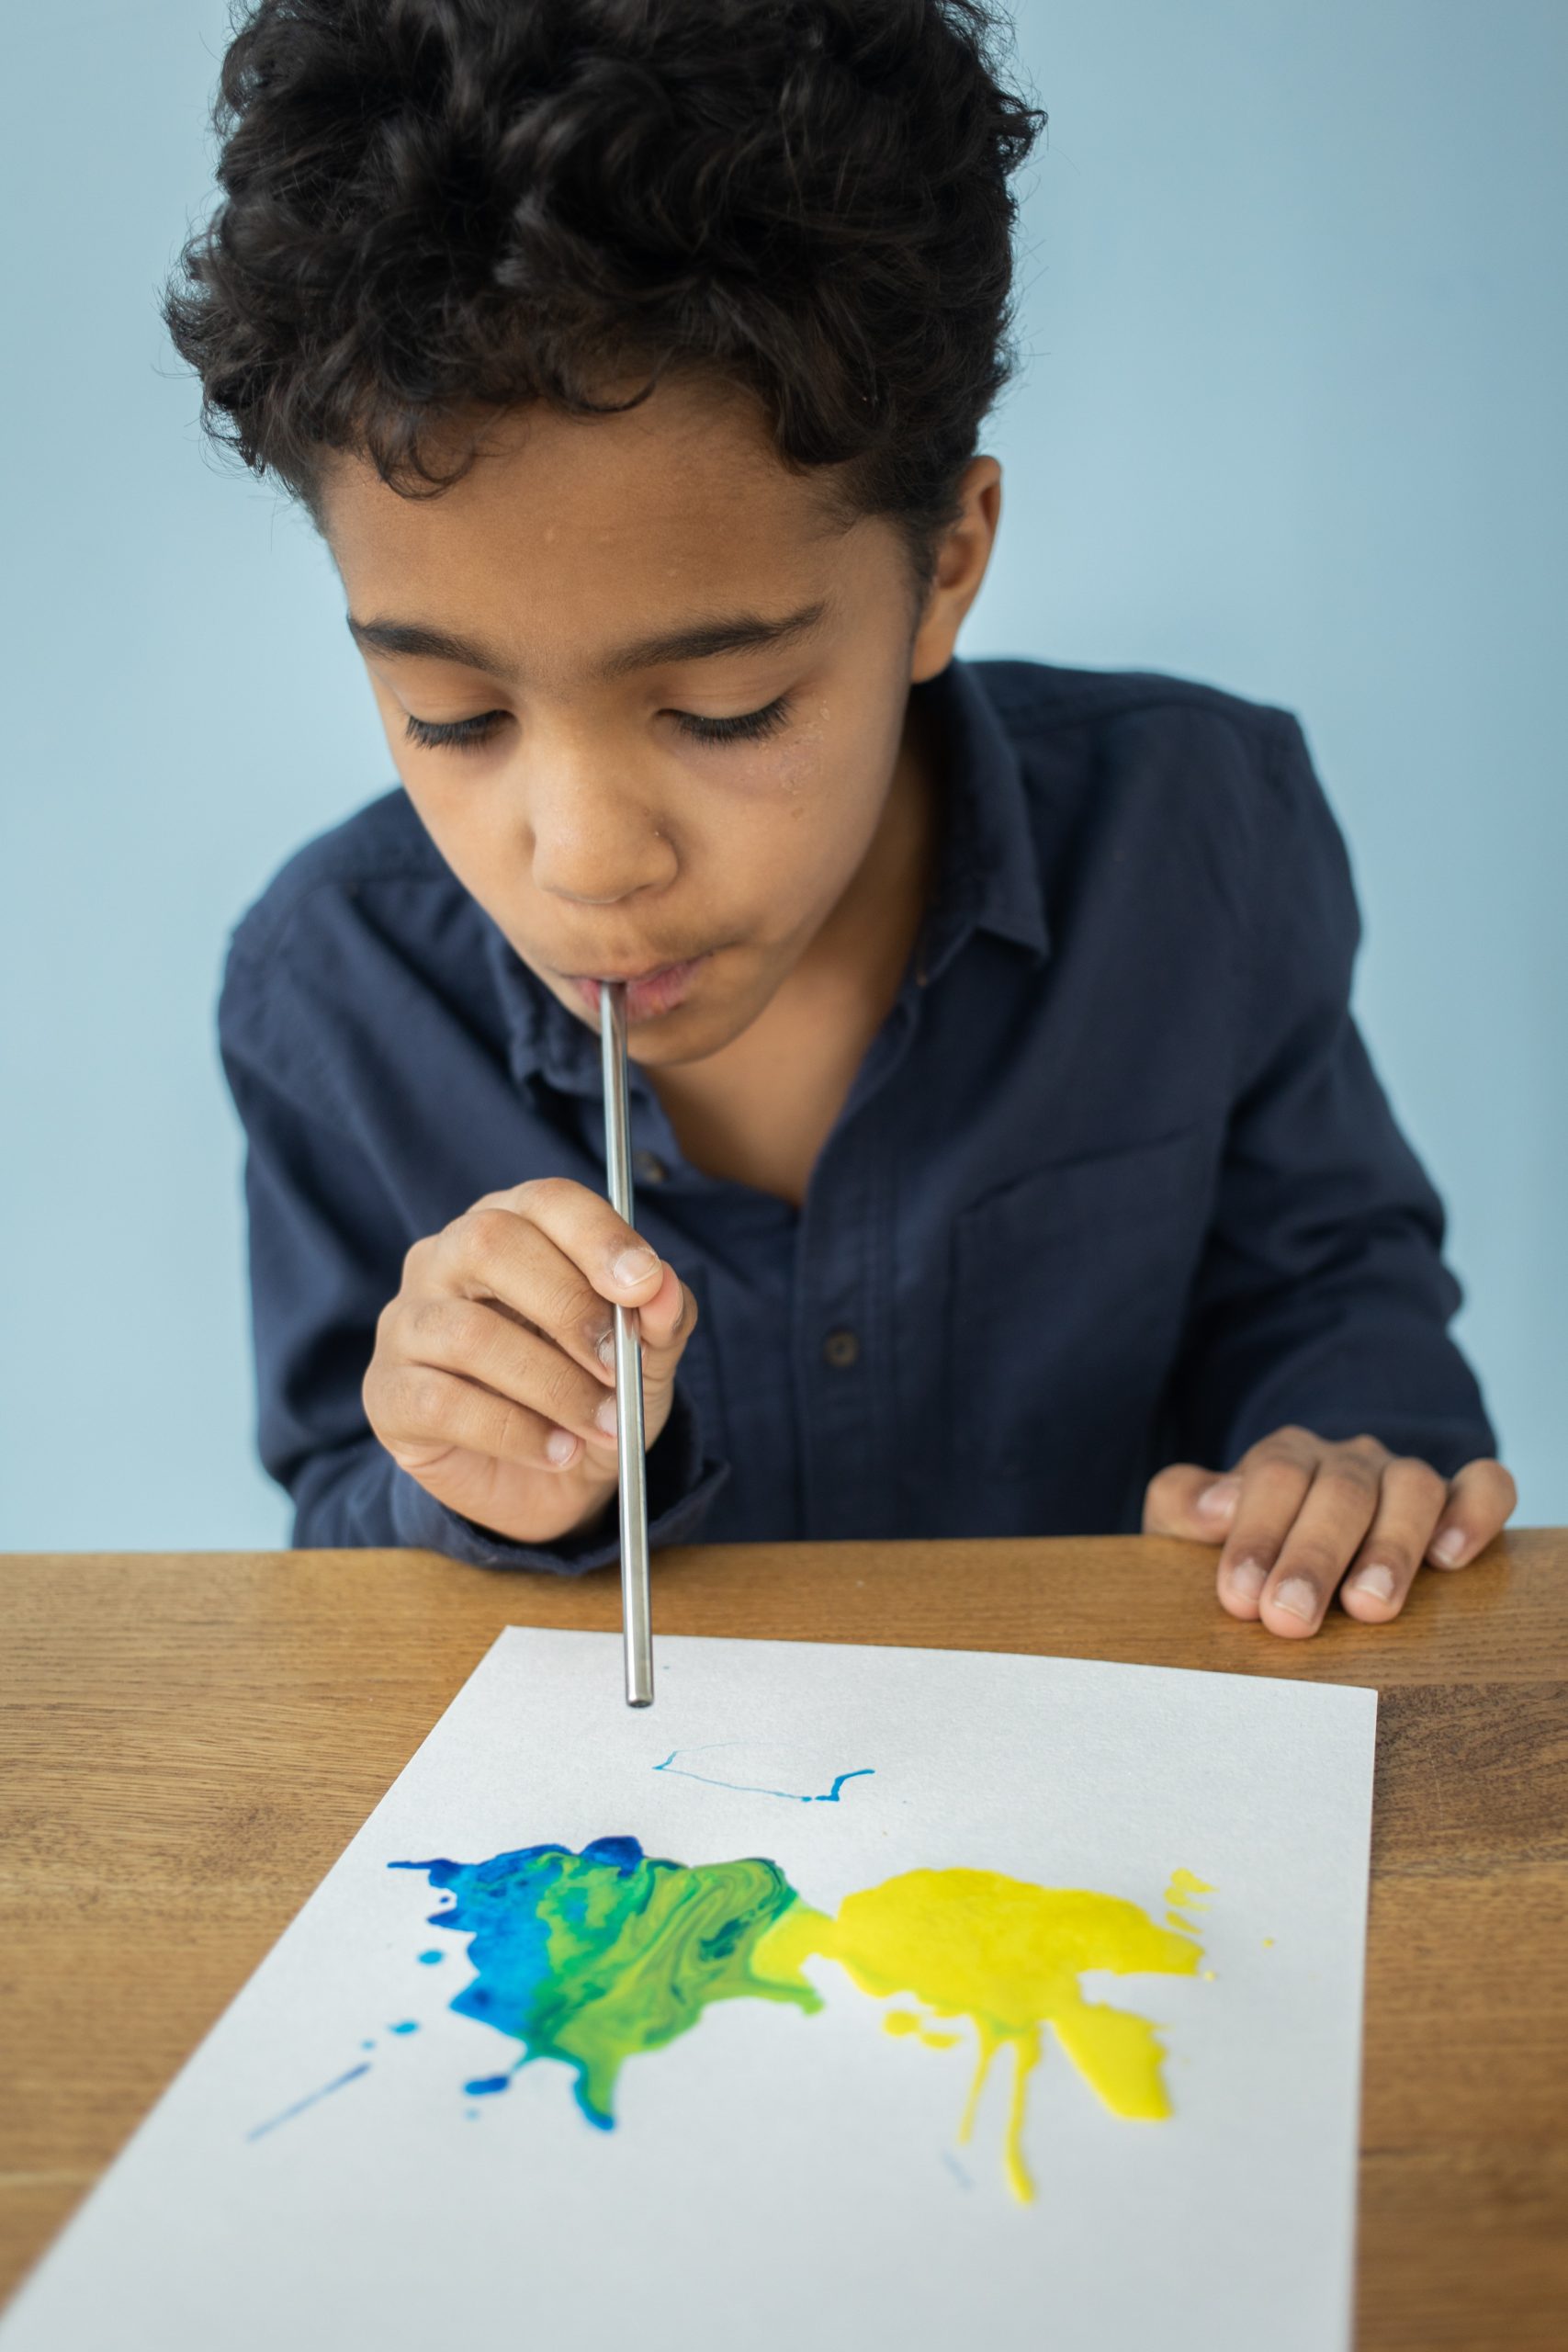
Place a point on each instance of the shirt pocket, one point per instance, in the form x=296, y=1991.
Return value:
x=1069, y=1292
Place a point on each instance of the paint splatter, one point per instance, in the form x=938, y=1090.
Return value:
x=598, y=1956
x=1007, y=1956
x=299, y=2105
x=729, y=1780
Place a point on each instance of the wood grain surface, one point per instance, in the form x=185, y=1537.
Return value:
x=190, y=1741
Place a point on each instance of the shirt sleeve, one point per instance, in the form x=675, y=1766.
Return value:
x=1323, y=1298
x=326, y=1246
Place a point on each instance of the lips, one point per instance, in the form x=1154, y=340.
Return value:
x=650, y=993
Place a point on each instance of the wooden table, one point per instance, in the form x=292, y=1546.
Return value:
x=191, y=1740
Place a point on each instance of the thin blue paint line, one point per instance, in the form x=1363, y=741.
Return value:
x=751, y=1788
x=302, y=2104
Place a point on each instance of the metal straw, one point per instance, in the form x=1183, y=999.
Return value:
x=636, y=1613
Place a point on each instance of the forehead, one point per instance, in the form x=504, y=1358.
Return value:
x=571, y=533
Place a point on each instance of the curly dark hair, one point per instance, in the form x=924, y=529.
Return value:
x=434, y=203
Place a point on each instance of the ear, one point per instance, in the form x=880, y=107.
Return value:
x=961, y=561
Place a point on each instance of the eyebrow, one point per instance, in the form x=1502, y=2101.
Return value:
x=698, y=641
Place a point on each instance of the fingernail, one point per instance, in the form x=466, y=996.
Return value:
x=1449, y=1546
x=559, y=1446
x=605, y=1417
x=633, y=1266
x=1245, y=1580
x=605, y=1351
x=1297, y=1598
x=1219, y=1500
x=1377, y=1582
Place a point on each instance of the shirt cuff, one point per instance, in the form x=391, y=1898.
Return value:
x=682, y=1482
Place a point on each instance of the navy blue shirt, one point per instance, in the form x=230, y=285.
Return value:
x=1115, y=1186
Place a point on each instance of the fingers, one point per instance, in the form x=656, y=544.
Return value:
x=1301, y=1510
x=422, y=1414
x=1304, y=1509
x=475, y=1340
x=1185, y=1501
x=611, y=1255
x=1409, y=1507
x=512, y=1299
x=1480, y=1501
x=1275, y=1476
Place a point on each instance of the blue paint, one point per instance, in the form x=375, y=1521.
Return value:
x=409, y=2025
x=485, y=2086
x=302, y=2104
x=956, y=2169
x=751, y=1788
x=429, y=1959
x=368, y=2045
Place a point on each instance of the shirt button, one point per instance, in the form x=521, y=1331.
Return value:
x=648, y=1168
x=840, y=1347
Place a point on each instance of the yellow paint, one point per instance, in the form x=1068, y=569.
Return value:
x=1185, y=1889
x=1268, y=1943
x=905, y=2021
x=1007, y=1955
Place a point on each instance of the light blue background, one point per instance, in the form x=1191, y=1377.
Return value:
x=1291, y=422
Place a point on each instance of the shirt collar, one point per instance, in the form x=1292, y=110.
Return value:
x=987, y=878
x=989, y=871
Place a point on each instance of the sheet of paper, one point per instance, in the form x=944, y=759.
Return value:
x=861, y=1997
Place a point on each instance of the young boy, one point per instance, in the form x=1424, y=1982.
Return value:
x=1008, y=1160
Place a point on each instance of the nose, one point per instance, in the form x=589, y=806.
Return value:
x=597, y=836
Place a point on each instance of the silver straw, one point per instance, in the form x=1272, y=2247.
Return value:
x=637, y=1612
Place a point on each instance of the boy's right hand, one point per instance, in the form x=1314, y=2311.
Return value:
x=495, y=1360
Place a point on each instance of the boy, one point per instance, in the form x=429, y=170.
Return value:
x=1009, y=1163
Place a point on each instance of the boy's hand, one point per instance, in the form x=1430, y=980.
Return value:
x=493, y=1378
x=1298, y=1511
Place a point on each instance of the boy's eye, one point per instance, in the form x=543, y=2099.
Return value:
x=456, y=734
x=463, y=734
x=748, y=727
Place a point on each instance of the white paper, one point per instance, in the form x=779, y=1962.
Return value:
x=774, y=2178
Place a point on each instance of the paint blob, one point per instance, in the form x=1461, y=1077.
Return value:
x=594, y=1957
x=599, y=1956
x=1007, y=1956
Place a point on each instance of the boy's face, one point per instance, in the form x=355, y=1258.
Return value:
x=696, y=685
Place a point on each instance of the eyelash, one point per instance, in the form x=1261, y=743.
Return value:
x=467, y=734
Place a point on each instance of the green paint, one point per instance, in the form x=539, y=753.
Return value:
x=593, y=1958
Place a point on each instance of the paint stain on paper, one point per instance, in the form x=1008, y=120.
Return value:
x=1005, y=1956
x=312, y=2098
x=723, y=1765
x=595, y=1957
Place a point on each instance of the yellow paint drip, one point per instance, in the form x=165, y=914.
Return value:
x=1007, y=1955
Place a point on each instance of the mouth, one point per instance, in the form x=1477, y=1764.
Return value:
x=649, y=993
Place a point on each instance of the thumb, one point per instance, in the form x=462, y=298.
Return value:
x=664, y=1326
x=1186, y=1500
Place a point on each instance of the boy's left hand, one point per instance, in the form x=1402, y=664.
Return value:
x=1299, y=1512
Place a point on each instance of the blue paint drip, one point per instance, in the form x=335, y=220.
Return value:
x=751, y=1789
x=484, y=2086
x=409, y=2025
x=429, y=1959
x=302, y=2104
